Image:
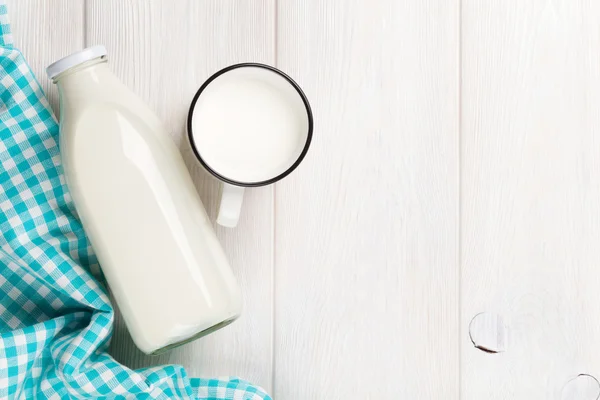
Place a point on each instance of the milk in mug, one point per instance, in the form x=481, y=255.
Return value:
x=140, y=209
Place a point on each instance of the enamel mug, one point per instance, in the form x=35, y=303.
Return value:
x=249, y=125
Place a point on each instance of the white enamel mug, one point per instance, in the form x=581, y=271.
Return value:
x=249, y=125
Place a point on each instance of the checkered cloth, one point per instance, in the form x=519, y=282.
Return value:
x=55, y=316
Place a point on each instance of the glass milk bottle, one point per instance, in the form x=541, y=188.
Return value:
x=140, y=209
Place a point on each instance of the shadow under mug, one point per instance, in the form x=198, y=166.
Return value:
x=244, y=85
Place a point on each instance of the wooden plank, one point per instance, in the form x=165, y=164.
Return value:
x=366, y=281
x=530, y=186
x=44, y=32
x=164, y=50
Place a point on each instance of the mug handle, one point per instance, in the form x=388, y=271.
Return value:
x=230, y=206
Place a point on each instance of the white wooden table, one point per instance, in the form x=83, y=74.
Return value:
x=455, y=169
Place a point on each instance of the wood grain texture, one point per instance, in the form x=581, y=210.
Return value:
x=366, y=273
x=45, y=31
x=530, y=193
x=164, y=50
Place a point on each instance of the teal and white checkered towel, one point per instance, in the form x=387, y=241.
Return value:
x=55, y=316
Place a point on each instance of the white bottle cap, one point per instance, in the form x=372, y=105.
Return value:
x=74, y=59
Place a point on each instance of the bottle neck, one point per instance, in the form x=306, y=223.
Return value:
x=86, y=68
x=83, y=79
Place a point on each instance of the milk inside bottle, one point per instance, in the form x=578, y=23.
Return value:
x=140, y=209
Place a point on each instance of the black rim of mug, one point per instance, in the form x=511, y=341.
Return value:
x=308, y=114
